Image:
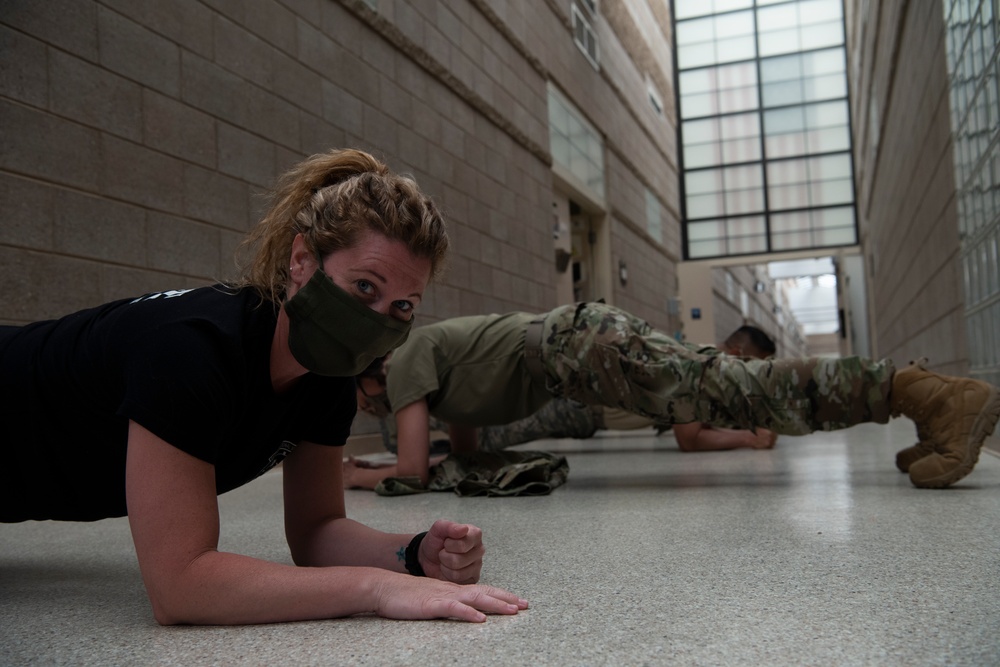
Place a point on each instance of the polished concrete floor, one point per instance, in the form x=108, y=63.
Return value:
x=816, y=553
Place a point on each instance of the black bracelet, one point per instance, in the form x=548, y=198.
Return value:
x=413, y=556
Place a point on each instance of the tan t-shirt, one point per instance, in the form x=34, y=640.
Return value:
x=470, y=369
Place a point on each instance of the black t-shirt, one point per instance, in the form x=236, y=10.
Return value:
x=191, y=366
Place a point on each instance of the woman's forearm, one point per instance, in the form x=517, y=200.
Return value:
x=220, y=588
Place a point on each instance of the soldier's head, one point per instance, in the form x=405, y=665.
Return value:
x=371, y=388
x=749, y=341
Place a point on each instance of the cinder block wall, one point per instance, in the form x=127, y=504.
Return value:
x=138, y=136
x=905, y=176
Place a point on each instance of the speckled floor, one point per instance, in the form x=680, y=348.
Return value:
x=816, y=553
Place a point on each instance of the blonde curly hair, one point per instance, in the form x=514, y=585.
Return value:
x=331, y=199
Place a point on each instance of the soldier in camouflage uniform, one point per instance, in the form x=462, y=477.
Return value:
x=595, y=353
x=600, y=355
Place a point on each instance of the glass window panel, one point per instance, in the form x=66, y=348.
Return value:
x=697, y=81
x=830, y=167
x=695, y=55
x=825, y=193
x=693, y=106
x=778, y=18
x=737, y=99
x=742, y=125
x=827, y=114
x=704, y=206
x=825, y=87
x=747, y=226
x=778, y=41
x=829, y=237
x=829, y=140
x=742, y=150
x=744, y=201
x=737, y=48
x=701, y=155
x=823, y=62
x=700, y=131
x=704, y=231
x=574, y=144
x=707, y=180
x=734, y=25
x=783, y=121
x=830, y=218
x=818, y=11
x=823, y=34
x=696, y=32
x=689, y=8
x=789, y=222
x=786, y=171
x=781, y=68
x=782, y=93
x=785, y=145
x=700, y=249
x=730, y=5
x=750, y=176
x=788, y=196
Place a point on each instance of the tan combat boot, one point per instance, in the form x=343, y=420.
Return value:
x=956, y=414
x=910, y=455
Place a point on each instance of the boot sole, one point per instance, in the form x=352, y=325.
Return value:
x=982, y=428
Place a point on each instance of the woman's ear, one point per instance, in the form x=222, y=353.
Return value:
x=302, y=263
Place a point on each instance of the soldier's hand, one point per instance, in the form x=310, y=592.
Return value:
x=765, y=439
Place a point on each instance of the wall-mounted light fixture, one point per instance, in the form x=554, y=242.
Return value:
x=622, y=272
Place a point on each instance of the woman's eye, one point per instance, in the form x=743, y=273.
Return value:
x=404, y=306
x=365, y=287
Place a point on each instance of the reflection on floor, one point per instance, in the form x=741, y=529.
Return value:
x=817, y=552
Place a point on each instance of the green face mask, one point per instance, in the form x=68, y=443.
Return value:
x=332, y=333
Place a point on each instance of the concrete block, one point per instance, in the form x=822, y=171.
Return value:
x=274, y=23
x=208, y=87
x=414, y=148
x=121, y=282
x=23, y=69
x=243, y=53
x=138, y=53
x=216, y=198
x=308, y=10
x=140, y=175
x=70, y=25
x=174, y=128
x=38, y=144
x=395, y=101
x=318, y=135
x=353, y=74
x=272, y=117
x=381, y=130
x=186, y=22
x=40, y=286
x=342, y=109
x=245, y=155
x=297, y=84
x=229, y=244
x=181, y=246
x=233, y=9
x=97, y=228
x=315, y=49
x=425, y=121
x=27, y=212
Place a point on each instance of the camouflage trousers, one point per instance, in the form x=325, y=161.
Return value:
x=559, y=418
x=598, y=354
